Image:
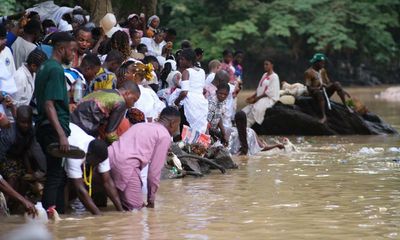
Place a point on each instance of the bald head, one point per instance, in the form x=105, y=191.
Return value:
x=131, y=87
x=221, y=76
x=24, y=119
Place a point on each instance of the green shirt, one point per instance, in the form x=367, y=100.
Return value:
x=50, y=85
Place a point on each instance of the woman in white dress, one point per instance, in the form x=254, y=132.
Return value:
x=266, y=95
x=194, y=103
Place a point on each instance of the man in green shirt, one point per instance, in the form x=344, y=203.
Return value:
x=53, y=116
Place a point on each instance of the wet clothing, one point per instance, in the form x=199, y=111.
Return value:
x=103, y=107
x=235, y=145
x=143, y=144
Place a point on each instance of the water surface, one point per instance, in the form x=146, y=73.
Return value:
x=327, y=190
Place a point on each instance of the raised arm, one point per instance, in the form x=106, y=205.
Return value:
x=8, y=190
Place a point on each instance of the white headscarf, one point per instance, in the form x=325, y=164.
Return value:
x=151, y=19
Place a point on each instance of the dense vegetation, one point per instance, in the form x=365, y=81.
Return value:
x=361, y=38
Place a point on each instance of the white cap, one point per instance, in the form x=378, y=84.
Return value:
x=107, y=23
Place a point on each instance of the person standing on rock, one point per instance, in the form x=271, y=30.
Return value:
x=320, y=87
x=266, y=95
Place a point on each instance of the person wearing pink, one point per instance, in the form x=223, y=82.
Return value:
x=143, y=144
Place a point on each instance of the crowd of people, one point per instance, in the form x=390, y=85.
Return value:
x=120, y=92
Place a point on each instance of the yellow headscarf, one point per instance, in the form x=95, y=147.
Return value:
x=145, y=69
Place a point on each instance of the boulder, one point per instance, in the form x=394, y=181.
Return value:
x=302, y=119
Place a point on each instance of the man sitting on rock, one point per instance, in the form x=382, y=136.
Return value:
x=320, y=87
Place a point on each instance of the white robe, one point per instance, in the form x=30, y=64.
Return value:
x=195, y=104
x=268, y=84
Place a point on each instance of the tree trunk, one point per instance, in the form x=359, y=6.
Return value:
x=98, y=8
x=149, y=7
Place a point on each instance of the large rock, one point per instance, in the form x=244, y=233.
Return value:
x=302, y=119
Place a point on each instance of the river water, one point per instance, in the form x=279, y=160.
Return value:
x=326, y=190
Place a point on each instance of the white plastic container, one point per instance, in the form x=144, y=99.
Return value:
x=41, y=217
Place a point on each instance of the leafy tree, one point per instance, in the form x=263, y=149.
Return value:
x=350, y=32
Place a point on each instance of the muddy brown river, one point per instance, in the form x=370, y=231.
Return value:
x=330, y=189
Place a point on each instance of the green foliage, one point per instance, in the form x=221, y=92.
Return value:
x=360, y=27
x=7, y=7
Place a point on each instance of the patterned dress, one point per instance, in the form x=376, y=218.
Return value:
x=104, y=108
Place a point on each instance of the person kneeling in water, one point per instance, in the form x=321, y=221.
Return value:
x=244, y=140
x=96, y=157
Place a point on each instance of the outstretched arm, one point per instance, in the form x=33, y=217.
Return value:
x=83, y=195
x=8, y=190
x=111, y=190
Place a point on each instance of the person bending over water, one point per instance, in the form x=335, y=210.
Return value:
x=320, y=87
x=143, y=144
x=96, y=158
x=243, y=140
x=105, y=108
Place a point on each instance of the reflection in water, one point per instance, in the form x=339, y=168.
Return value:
x=328, y=190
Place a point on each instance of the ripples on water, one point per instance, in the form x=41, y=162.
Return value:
x=328, y=190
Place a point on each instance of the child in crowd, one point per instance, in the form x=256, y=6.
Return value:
x=25, y=77
x=216, y=108
x=199, y=56
x=142, y=48
x=105, y=78
x=213, y=67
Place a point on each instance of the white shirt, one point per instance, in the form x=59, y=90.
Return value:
x=210, y=78
x=7, y=70
x=80, y=139
x=149, y=103
x=7, y=61
x=153, y=48
x=21, y=49
x=25, y=82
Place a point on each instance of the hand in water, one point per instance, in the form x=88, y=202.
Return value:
x=150, y=204
x=280, y=146
x=30, y=208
